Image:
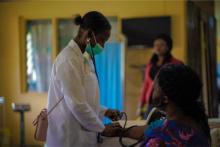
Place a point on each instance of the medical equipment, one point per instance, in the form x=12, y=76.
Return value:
x=148, y=121
x=94, y=63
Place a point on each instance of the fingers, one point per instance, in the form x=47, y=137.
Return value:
x=112, y=130
x=114, y=115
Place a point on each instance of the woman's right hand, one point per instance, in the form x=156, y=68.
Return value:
x=113, y=114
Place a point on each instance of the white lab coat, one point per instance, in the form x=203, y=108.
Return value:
x=77, y=118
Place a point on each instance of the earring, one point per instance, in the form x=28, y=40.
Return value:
x=165, y=99
x=88, y=40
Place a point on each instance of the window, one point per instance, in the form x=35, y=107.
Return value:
x=38, y=55
x=38, y=59
x=66, y=31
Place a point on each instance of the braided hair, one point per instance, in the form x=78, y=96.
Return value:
x=183, y=87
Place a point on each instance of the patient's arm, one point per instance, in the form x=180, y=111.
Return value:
x=136, y=132
x=112, y=130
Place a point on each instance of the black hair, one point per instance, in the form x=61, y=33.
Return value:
x=167, y=39
x=95, y=21
x=183, y=87
x=167, y=56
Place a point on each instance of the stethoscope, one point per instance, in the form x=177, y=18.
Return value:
x=125, y=130
x=121, y=115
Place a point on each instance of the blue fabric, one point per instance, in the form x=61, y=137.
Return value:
x=152, y=126
x=110, y=70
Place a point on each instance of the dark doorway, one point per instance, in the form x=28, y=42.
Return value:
x=201, y=51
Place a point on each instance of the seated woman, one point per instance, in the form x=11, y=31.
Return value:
x=177, y=90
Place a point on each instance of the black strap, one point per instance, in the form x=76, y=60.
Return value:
x=130, y=145
x=99, y=137
x=125, y=130
x=55, y=105
x=94, y=63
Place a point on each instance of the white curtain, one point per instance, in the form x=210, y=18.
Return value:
x=39, y=62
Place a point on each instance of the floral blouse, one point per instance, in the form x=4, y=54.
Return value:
x=169, y=133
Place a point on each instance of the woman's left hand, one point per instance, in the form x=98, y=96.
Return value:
x=112, y=114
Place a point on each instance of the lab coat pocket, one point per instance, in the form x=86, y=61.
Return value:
x=88, y=137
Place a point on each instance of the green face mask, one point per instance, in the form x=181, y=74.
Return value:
x=97, y=49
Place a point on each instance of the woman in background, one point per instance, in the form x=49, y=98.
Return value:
x=162, y=55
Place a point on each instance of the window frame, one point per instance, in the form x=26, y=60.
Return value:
x=22, y=45
x=22, y=21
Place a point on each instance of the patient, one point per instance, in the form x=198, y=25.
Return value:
x=177, y=91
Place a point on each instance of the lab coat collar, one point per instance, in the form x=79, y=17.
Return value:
x=72, y=44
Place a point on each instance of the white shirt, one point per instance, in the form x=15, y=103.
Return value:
x=77, y=118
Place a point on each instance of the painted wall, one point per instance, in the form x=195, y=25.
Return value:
x=10, y=77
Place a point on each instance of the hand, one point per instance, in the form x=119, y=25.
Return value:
x=114, y=115
x=139, y=107
x=112, y=130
